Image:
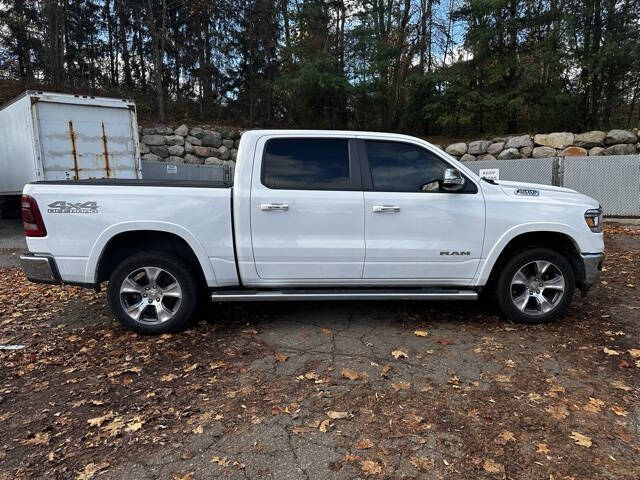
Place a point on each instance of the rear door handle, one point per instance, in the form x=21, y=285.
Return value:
x=386, y=209
x=274, y=206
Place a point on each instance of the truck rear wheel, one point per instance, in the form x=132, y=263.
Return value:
x=535, y=286
x=153, y=292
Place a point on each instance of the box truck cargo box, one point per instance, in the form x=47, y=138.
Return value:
x=53, y=136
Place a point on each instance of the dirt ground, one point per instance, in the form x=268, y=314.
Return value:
x=324, y=390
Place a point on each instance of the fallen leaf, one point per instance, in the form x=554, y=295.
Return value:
x=216, y=365
x=445, y=341
x=186, y=476
x=369, y=467
x=198, y=430
x=385, y=371
x=169, y=377
x=134, y=425
x=421, y=333
x=422, y=464
x=619, y=411
x=311, y=376
x=625, y=435
x=364, y=444
x=280, y=357
x=350, y=374
x=558, y=412
x=621, y=386
x=398, y=354
x=594, y=405
x=324, y=425
x=610, y=351
x=634, y=352
x=191, y=368
x=580, y=439
x=300, y=430
x=222, y=461
x=39, y=438
x=401, y=386
x=492, y=466
x=337, y=415
x=98, y=421
x=250, y=331
x=326, y=331
x=542, y=448
x=90, y=470
x=504, y=437
x=114, y=427
x=624, y=363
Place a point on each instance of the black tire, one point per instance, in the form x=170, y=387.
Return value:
x=173, y=266
x=504, y=288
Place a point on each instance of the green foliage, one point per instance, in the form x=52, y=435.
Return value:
x=426, y=67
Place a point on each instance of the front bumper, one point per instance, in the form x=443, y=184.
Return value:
x=40, y=268
x=592, y=263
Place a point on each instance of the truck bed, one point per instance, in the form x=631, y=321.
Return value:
x=82, y=216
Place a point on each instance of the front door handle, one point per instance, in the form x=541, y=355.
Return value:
x=274, y=206
x=386, y=209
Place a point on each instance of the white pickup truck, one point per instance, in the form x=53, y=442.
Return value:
x=316, y=215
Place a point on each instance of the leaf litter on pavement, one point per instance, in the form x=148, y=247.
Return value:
x=472, y=396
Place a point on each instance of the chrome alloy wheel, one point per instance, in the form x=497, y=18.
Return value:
x=150, y=295
x=537, y=287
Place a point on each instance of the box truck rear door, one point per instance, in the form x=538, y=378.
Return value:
x=84, y=141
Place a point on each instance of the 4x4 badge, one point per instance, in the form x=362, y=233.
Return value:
x=67, y=207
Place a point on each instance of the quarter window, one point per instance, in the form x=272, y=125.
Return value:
x=306, y=164
x=402, y=167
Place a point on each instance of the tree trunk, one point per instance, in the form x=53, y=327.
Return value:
x=124, y=47
x=157, y=43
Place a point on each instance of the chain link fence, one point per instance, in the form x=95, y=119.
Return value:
x=612, y=180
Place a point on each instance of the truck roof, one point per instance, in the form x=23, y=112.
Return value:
x=69, y=98
x=273, y=131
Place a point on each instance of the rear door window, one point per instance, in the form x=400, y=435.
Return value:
x=307, y=164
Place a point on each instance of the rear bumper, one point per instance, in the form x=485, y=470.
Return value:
x=592, y=263
x=40, y=268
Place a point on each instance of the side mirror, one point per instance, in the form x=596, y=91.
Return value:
x=453, y=180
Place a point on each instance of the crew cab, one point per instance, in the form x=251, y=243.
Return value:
x=316, y=215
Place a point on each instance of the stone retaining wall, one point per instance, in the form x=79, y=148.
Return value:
x=557, y=144
x=219, y=145
x=198, y=145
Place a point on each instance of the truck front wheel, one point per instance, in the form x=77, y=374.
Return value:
x=153, y=292
x=535, y=286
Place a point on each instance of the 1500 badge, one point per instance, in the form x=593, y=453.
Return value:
x=67, y=207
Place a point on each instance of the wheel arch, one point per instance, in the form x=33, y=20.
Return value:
x=122, y=240
x=558, y=240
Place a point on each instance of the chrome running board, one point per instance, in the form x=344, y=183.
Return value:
x=292, y=295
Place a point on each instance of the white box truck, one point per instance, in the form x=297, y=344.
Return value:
x=54, y=136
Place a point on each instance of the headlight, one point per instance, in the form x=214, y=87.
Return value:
x=593, y=218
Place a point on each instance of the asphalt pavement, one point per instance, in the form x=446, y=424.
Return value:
x=12, y=242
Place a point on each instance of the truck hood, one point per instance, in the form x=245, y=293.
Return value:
x=548, y=192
